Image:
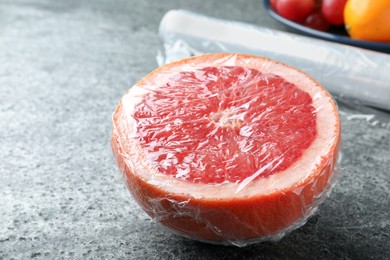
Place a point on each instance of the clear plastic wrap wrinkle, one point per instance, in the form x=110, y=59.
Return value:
x=345, y=71
x=228, y=149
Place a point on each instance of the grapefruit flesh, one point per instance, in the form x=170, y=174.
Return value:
x=227, y=148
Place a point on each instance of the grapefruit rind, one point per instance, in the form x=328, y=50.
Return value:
x=254, y=210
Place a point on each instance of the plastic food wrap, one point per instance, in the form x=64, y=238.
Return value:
x=350, y=72
x=227, y=149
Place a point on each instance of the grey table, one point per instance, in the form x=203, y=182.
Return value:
x=63, y=67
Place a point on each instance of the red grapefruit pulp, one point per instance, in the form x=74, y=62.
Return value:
x=227, y=148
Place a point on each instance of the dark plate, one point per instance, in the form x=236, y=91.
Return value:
x=335, y=34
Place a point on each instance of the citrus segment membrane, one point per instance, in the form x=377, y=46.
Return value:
x=228, y=149
x=224, y=124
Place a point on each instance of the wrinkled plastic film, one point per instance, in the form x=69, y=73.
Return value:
x=228, y=149
x=345, y=71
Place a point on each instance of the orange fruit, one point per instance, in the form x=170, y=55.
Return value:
x=227, y=148
x=368, y=20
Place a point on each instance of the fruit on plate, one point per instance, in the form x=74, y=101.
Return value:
x=333, y=11
x=294, y=10
x=368, y=20
x=309, y=13
x=225, y=148
x=317, y=21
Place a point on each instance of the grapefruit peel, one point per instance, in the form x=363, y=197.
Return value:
x=240, y=211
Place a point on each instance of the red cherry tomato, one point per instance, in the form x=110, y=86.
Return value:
x=317, y=21
x=273, y=3
x=295, y=10
x=333, y=11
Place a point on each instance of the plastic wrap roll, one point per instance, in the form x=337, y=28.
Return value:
x=344, y=70
x=228, y=149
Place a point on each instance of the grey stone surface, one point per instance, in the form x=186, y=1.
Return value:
x=63, y=67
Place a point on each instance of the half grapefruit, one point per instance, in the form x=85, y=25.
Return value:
x=228, y=149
